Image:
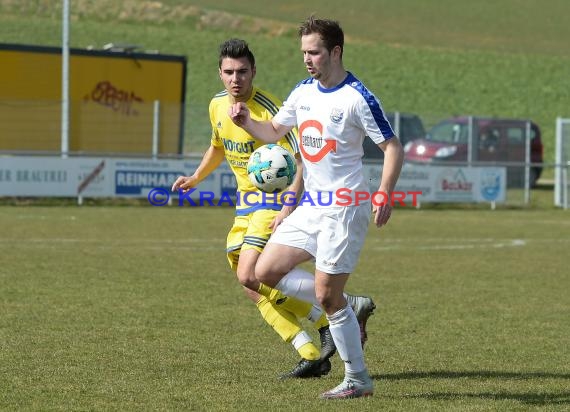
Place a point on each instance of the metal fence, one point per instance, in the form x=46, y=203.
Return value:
x=561, y=182
x=108, y=124
x=101, y=124
x=470, y=141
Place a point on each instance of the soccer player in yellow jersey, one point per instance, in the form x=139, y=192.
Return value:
x=255, y=220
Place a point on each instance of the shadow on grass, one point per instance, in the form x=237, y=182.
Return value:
x=536, y=399
x=542, y=398
x=470, y=374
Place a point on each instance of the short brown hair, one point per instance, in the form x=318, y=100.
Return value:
x=330, y=31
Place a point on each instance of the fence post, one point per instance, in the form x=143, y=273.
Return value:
x=65, y=81
x=527, y=165
x=558, y=167
x=565, y=185
x=155, y=129
x=469, y=141
x=397, y=125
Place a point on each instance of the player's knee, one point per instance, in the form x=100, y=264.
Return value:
x=267, y=275
x=324, y=300
x=248, y=280
x=329, y=302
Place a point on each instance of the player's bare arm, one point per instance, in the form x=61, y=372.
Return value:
x=267, y=131
x=210, y=161
x=393, y=161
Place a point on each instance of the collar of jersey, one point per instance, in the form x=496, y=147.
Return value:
x=349, y=78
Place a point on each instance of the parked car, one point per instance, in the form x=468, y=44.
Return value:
x=407, y=126
x=493, y=140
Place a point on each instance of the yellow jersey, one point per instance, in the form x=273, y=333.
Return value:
x=239, y=144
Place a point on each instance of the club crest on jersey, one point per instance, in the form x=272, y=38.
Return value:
x=337, y=115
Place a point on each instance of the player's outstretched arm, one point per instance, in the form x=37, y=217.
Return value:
x=267, y=131
x=210, y=161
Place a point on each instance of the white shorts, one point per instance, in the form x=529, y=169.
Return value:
x=333, y=235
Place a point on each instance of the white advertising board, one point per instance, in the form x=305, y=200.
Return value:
x=100, y=177
x=446, y=183
x=120, y=177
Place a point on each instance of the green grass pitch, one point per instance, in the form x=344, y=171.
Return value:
x=135, y=308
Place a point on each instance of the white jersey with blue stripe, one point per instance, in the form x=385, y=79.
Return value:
x=332, y=125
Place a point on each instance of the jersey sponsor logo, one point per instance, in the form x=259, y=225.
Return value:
x=306, y=108
x=219, y=125
x=239, y=147
x=337, y=115
x=314, y=142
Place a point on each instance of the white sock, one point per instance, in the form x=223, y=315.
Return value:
x=299, y=284
x=346, y=335
x=301, y=339
x=315, y=313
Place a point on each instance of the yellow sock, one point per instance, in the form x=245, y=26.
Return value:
x=300, y=308
x=323, y=321
x=267, y=291
x=282, y=321
x=309, y=351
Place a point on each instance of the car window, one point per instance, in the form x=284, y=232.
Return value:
x=448, y=132
x=412, y=128
x=489, y=139
x=515, y=135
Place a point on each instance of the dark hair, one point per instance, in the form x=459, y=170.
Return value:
x=235, y=49
x=330, y=31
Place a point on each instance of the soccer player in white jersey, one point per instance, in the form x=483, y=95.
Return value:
x=334, y=111
x=254, y=221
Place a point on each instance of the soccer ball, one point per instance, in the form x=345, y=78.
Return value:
x=271, y=168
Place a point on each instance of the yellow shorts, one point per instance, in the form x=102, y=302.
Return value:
x=249, y=232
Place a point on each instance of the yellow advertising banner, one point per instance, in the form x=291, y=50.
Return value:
x=113, y=98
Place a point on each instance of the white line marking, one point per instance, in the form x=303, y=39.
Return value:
x=470, y=245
